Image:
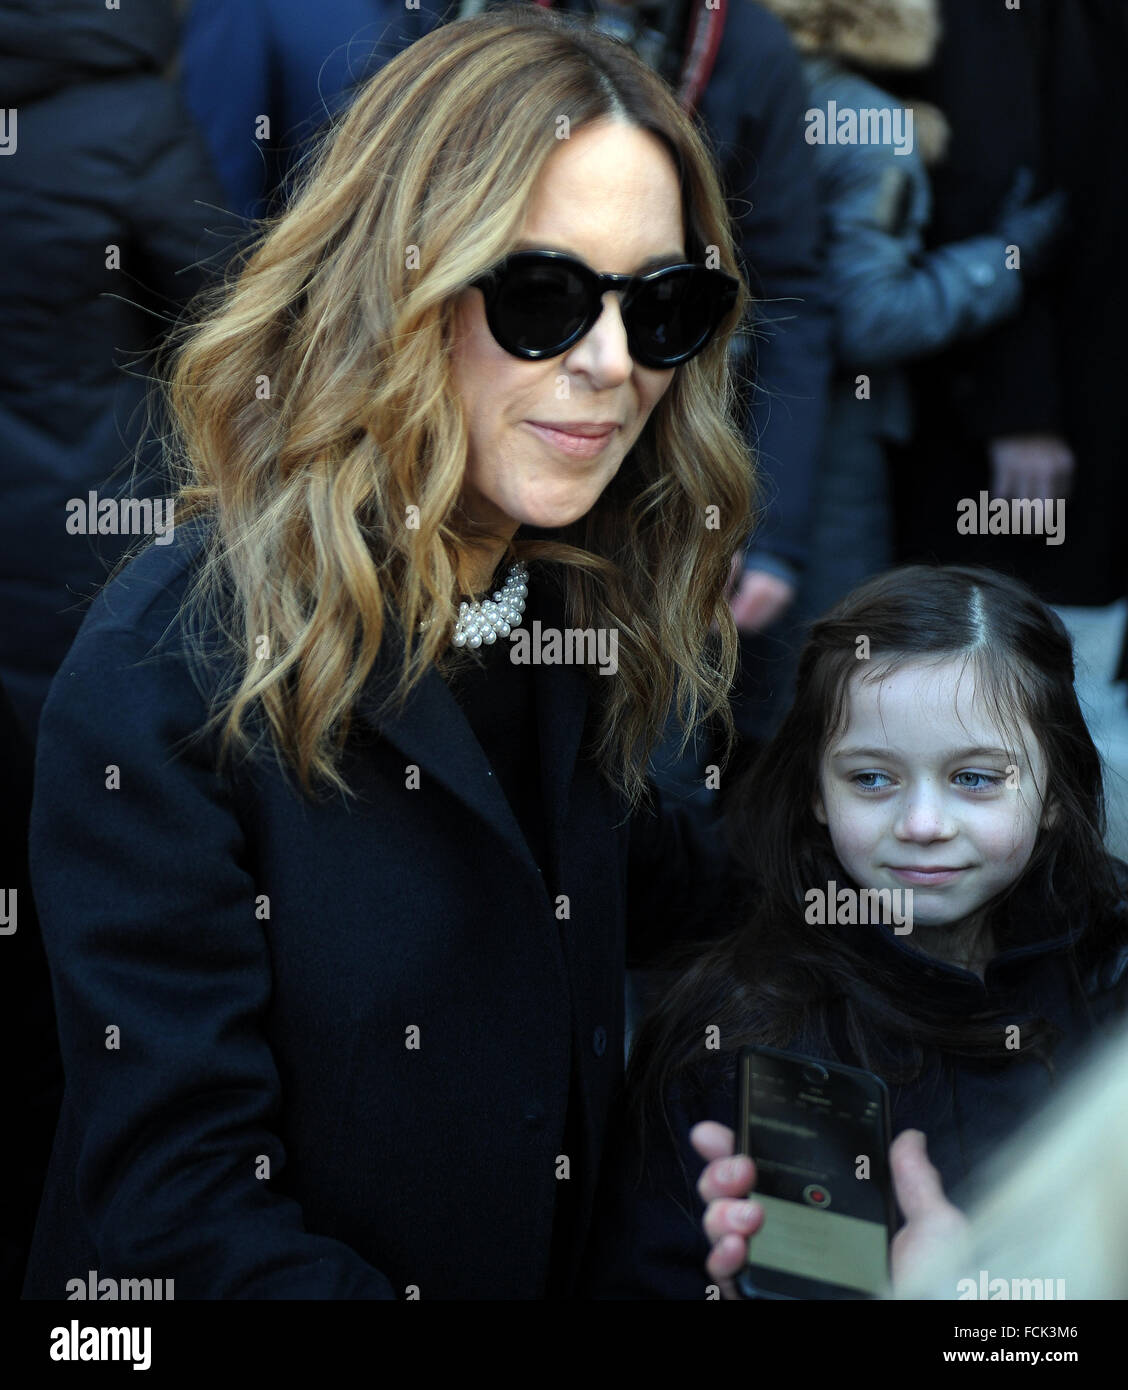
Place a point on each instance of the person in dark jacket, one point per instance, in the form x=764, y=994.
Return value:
x=892, y=300
x=1035, y=408
x=106, y=202
x=262, y=80
x=959, y=772
x=335, y=896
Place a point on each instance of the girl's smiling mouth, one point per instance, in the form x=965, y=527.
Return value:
x=929, y=877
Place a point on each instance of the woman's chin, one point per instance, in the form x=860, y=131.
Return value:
x=550, y=514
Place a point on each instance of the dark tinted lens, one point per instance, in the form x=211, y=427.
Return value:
x=675, y=313
x=540, y=305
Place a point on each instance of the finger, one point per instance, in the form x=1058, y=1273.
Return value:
x=727, y=1177
x=712, y=1140
x=725, y=1174
x=732, y=1216
x=725, y=1260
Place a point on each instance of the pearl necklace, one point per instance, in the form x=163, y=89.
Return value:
x=484, y=622
x=481, y=623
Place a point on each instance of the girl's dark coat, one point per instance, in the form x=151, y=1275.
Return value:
x=648, y=1240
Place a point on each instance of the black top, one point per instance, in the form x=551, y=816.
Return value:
x=498, y=698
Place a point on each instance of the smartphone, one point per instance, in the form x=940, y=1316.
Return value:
x=818, y=1133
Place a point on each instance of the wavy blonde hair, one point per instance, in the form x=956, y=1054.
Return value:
x=311, y=406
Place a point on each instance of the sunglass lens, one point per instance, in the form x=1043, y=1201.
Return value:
x=674, y=314
x=540, y=307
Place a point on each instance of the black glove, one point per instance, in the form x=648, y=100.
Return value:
x=1034, y=226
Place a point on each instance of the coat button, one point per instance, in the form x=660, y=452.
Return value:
x=599, y=1041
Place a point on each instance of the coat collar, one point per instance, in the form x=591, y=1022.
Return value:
x=432, y=731
x=952, y=983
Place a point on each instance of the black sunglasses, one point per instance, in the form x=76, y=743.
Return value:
x=538, y=303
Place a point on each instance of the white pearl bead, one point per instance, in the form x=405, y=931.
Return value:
x=485, y=621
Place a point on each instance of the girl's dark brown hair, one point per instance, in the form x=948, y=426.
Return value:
x=775, y=979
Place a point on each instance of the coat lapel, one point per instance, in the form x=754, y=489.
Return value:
x=432, y=731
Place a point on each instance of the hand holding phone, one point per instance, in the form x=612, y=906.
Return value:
x=727, y=1185
x=818, y=1133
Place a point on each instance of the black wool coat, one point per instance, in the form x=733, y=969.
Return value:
x=324, y=1050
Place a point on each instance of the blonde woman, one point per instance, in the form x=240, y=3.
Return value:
x=335, y=861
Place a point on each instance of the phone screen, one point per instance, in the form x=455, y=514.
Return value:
x=819, y=1136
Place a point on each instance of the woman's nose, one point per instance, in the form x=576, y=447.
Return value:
x=603, y=350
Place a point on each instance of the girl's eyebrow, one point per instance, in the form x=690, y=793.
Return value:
x=955, y=755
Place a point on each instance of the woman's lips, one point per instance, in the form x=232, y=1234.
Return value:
x=927, y=878
x=579, y=446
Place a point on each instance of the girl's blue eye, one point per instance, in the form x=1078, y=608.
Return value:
x=985, y=781
x=862, y=785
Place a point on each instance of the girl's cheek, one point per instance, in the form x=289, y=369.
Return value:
x=865, y=813
x=1005, y=842
x=855, y=829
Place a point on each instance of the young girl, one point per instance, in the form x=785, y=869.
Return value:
x=935, y=745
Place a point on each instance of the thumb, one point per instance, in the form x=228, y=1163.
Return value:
x=915, y=1181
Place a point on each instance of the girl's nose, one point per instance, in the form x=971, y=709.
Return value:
x=922, y=815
